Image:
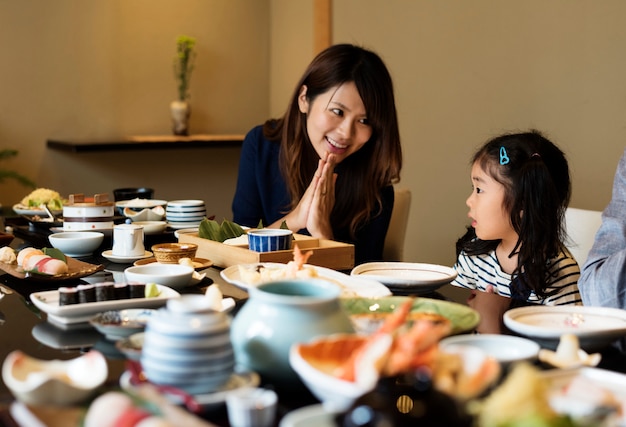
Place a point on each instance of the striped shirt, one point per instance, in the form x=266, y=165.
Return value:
x=479, y=271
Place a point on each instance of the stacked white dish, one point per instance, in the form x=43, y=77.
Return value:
x=187, y=345
x=185, y=213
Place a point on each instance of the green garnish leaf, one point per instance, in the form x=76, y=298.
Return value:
x=212, y=230
x=55, y=253
x=230, y=230
x=260, y=224
x=209, y=229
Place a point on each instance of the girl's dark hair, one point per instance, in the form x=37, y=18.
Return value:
x=535, y=175
x=363, y=174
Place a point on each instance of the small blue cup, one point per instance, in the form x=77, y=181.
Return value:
x=269, y=239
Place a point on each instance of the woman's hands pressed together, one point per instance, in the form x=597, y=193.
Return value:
x=313, y=210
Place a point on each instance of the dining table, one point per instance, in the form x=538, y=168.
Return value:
x=24, y=327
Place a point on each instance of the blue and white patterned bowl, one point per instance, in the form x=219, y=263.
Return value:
x=269, y=239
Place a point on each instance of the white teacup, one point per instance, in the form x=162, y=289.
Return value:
x=128, y=240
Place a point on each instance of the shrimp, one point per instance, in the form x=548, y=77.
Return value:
x=299, y=259
x=407, y=350
x=377, y=346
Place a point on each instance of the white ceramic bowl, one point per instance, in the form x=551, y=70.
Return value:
x=147, y=214
x=334, y=393
x=152, y=227
x=54, y=382
x=77, y=243
x=172, y=275
x=505, y=349
x=595, y=327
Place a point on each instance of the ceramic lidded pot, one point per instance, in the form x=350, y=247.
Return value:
x=279, y=314
x=88, y=213
x=187, y=345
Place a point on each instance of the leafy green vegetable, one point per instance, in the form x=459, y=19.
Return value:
x=55, y=253
x=212, y=230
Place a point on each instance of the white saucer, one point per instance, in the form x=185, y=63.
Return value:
x=125, y=259
x=309, y=416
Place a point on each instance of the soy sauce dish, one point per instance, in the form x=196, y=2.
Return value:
x=116, y=325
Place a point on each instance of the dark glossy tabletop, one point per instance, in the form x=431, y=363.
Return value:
x=24, y=327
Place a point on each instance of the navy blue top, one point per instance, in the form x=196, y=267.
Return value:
x=262, y=195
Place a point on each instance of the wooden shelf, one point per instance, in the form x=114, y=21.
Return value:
x=150, y=142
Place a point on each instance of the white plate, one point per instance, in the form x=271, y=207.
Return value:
x=48, y=302
x=34, y=211
x=560, y=379
x=238, y=380
x=177, y=233
x=184, y=219
x=351, y=286
x=596, y=327
x=140, y=203
x=407, y=276
x=182, y=225
x=125, y=259
x=504, y=348
x=309, y=416
x=184, y=203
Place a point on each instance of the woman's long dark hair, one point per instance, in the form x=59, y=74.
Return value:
x=363, y=174
x=535, y=175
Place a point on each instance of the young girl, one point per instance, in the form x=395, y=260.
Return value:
x=513, y=253
x=328, y=165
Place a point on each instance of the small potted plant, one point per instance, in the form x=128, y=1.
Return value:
x=183, y=66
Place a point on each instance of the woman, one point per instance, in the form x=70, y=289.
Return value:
x=326, y=168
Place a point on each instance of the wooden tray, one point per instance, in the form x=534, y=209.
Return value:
x=76, y=270
x=326, y=253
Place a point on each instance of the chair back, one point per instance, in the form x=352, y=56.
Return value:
x=581, y=226
x=394, y=241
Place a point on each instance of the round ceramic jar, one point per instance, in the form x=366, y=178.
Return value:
x=279, y=314
x=187, y=345
x=84, y=215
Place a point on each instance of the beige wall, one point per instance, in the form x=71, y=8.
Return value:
x=467, y=70
x=464, y=71
x=102, y=70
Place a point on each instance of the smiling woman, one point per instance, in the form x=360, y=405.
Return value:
x=327, y=167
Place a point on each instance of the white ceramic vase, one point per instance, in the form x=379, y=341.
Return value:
x=181, y=111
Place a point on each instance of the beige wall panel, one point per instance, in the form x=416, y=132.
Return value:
x=467, y=71
x=103, y=70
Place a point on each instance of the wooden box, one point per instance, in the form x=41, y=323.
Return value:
x=326, y=253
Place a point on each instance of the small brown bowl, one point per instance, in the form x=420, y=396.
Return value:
x=171, y=253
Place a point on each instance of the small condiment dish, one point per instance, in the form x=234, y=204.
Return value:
x=172, y=253
x=269, y=239
x=156, y=213
x=54, y=382
x=131, y=346
x=77, y=243
x=116, y=325
x=172, y=275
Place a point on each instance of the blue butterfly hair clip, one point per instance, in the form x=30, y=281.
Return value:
x=504, y=158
